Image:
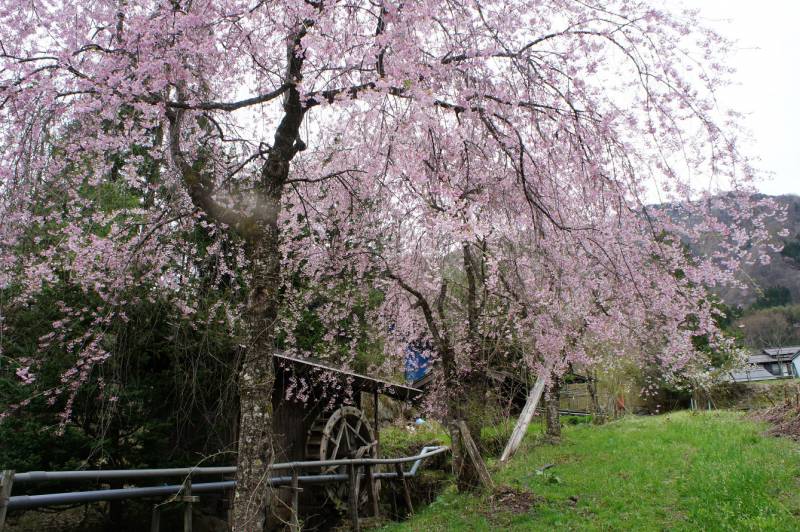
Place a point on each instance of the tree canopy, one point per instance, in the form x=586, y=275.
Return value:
x=360, y=144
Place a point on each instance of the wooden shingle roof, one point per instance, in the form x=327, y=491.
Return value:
x=364, y=382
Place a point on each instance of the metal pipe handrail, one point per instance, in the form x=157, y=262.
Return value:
x=24, y=502
x=364, y=461
x=51, y=499
x=107, y=474
x=34, y=476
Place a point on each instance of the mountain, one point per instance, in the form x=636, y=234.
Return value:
x=783, y=271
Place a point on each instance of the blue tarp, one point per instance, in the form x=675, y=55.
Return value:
x=416, y=365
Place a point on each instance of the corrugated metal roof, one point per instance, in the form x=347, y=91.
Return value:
x=783, y=352
x=755, y=373
x=761, y=359
x=774, y=354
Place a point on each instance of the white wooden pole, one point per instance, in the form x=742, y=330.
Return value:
x=524, y=420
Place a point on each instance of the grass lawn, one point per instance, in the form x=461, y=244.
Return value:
x=681, y=471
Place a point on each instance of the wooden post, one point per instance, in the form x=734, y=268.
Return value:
x=187, y=510
x=524, y=420
x=373, y=491
x=155, y=519
x=395, y=511
x=401, y=476
x=376, y=428
x=6, y=482
x=474, y=454
x=353, y=498
x=373, y=486
x=294, y=526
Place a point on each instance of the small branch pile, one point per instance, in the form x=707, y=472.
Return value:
x=784, y=419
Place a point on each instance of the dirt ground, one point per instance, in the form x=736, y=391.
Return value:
x=784, y=419
x=506, y=498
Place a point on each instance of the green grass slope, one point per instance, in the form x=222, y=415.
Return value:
x=682, y=471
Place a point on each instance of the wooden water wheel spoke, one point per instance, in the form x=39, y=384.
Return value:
x=344, y=433
x=358, y=434
x=334, y=453
x=347, y=437
x=351, y=430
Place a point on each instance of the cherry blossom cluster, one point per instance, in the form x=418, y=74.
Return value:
x=476, y=176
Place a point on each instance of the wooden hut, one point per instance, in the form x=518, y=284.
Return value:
x=318, y=415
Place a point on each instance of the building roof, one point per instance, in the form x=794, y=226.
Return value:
x=364, y=382
x=753, y=373
x=783, y=353
x=761, y=359
x=774, y=354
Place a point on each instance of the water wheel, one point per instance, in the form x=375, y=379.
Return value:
x=343, y=433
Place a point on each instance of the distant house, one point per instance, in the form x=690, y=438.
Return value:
x=770, y=364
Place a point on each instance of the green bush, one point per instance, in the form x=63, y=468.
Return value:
x=408, y=440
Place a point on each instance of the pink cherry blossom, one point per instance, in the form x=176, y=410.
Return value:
x=489, y=167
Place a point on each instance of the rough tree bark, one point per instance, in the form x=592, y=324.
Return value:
x=473, y=397
x=465, y=471
x=256, y=375
x=465, y=398
x=256, y=378
x=259, y=231
x=552, y=414
x=465, y=468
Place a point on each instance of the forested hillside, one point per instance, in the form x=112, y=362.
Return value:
x=778, y=281
x=765, y=310
x=771, y=284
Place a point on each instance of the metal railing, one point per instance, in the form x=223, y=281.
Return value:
x=188, y=489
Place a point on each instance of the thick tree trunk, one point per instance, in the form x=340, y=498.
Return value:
x=256, y=377
x=464, y=469
x=474, y=406
x=461, y=409
x=258, y=227
x=468, y=404
x=457, y=393
x=552, y=415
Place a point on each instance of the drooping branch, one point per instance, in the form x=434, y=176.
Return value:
x=232, y=106
x=200, y=191
x=425, y=307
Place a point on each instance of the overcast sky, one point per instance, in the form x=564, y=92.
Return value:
x=768, y=80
